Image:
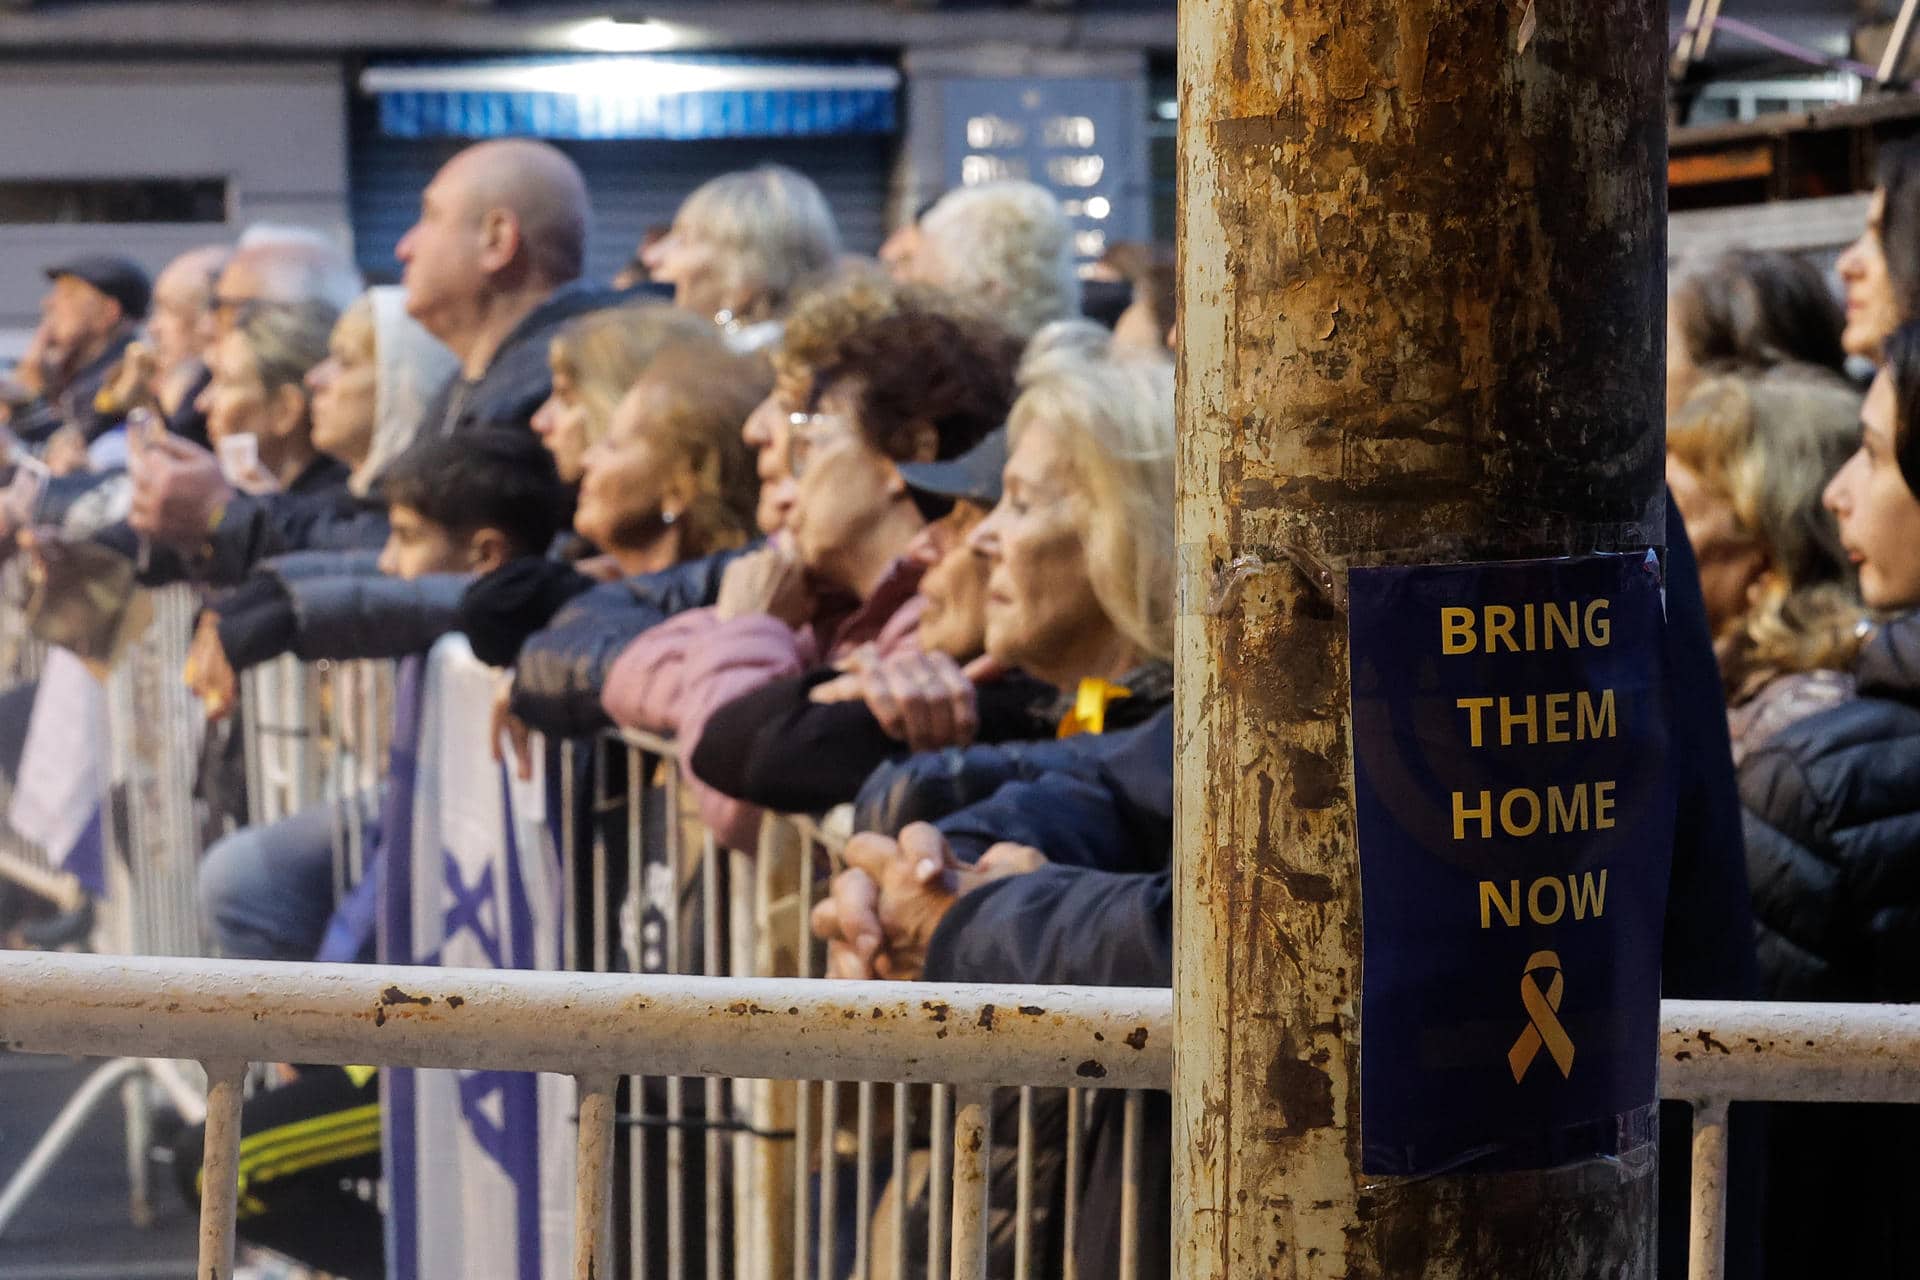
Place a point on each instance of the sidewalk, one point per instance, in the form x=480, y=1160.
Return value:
x=76, y=1226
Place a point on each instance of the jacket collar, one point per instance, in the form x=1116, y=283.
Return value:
x=1889, y=662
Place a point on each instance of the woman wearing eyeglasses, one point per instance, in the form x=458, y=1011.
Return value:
x=871, y=375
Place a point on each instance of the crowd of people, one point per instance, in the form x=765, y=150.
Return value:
x=899, y=534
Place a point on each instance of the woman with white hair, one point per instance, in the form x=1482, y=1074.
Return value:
x=1079, y=557
x=1004, y=247
x=740, y=248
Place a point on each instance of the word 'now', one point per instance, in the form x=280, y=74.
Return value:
x=1546, y=899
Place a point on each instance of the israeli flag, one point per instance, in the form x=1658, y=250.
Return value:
x=479, y=1163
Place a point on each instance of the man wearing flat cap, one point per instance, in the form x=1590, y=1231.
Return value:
x=89, y=315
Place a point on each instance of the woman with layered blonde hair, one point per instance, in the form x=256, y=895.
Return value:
x=1747, y=459
x=595, y=362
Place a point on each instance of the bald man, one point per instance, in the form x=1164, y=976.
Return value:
x=492, y=269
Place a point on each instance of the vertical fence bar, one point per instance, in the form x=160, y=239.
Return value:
x=710, y=940
x=602, y=801
x=133, y=1097
x=676, y=1110
x=939, y=1163
x=220, y=1169
x=1023, y=1192
x=1130, y=1187
x=636, y=963
x=741, y=891
x=863, y=1186
x=902, y=1129
x=1070, y=1203
x=802, y=1157
x=972, y=1158
x=593, y=1185
x=829, y=1176
x=1707, y=1242
x=569, y=860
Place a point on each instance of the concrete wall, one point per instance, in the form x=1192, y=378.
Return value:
x=276, y=130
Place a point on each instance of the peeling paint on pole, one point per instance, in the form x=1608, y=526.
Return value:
x=1422, y=317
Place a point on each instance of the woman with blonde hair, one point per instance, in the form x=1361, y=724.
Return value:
x=1747, y=459
x=595, y=361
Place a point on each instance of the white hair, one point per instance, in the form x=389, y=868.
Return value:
x=300, y=264
x=1113, y=416
x=771, y=228
x=1005, y=247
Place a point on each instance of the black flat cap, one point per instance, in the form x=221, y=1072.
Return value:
x=119, y=278
x=974, y=475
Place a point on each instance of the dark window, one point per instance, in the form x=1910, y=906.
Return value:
x=43, y=200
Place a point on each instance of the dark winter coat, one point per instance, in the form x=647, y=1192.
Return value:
x=1833, y=851
x=1114, y=786
x=335, y=605
x=36, y=422
x=518, y=380
x=560, y=671
x=775, y=748
x=316, y=512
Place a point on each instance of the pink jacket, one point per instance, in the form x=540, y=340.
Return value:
x=673, y=677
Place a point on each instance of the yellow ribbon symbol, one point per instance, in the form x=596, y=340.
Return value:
x=1544, y=1025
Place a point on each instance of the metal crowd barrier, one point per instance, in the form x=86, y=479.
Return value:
x=967, y=1041
x=776, y=1125
x=309, y=734
x=22, y=861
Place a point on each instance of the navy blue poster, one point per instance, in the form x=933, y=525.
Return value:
x=1515, y=817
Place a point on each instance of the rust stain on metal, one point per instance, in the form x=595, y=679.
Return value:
x=936, y=1009
x=985, y=1020
x=454, y=1002
x=1032, y=1010
x=394, y=995
x=747, y=1009
x=1302, y=1088
x=1707, y=1041
x=1137, y=1039
x=1091, y=1070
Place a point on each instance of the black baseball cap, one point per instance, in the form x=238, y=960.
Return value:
x=974, y=475
x=119, y=278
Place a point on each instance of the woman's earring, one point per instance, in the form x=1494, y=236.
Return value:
x=668, y=517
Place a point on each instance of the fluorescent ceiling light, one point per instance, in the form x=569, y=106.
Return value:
x=624, y=78
x=611, y=35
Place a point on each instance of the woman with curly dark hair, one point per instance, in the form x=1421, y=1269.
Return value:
x=871, y=376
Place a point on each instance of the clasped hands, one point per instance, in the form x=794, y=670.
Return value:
x=881, y=912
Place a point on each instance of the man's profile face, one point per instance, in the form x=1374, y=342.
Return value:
x=440, y=255
x=238, y=287
x=76, y=314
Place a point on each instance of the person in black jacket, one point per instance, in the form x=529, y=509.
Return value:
x=1832, y=804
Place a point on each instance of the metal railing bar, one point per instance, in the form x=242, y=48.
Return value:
x=972, y=1160
x=1706, y=1253
x=220, y=1168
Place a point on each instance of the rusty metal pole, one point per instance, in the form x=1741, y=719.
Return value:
x=1423, y=270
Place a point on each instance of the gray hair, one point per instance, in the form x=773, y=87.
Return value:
x=300, y=264
x=771, y=228
x=1113, y=416
x=1005, y=247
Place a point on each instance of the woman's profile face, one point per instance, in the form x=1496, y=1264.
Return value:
x=1872, y=310
x=623, y=478
x=235, y=400
x=561, y=424
x=1878, y=515
x=1040, y=600
x=344, y=390
x=954, y=587
x=843, y=488
x=684, y=259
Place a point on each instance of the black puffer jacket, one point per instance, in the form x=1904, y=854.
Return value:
x=1833, y=855
x=557, y=680
x=1833, y=837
